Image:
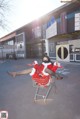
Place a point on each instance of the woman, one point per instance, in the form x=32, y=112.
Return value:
x=46, y=67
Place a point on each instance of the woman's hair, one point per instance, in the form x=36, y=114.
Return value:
x=45, y=54
x=47, y=59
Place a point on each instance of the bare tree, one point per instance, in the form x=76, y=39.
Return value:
x=4, y=11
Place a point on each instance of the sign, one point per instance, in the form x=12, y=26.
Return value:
x=77, y=21
x=51, y=21
x=3, y=115
x=52, y=30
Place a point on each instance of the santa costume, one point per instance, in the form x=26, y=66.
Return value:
x=43, y=72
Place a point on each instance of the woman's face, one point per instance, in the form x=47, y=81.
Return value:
x=45, y=59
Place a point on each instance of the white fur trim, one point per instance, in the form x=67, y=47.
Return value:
x=45, y=73
x=32, y=72
x=35, y=62
x=45, y=66
x=55, y=63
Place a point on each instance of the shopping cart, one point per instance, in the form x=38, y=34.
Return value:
x=43, y=83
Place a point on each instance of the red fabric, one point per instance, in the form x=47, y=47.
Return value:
x=41, y=80
x=52, y=68
x=39, y=76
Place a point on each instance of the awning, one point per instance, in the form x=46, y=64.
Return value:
x=8, y=37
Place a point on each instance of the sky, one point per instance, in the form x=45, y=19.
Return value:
x=25, y=11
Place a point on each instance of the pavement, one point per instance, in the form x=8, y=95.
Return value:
x=17, y=94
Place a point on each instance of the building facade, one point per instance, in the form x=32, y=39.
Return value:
x=63, y=35
x=57, y=33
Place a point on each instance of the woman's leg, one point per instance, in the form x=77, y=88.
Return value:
x=56, y=75
x=23, y=72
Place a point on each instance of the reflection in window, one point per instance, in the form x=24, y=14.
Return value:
x=51, y=47
x=10, y=42
x=36, y=32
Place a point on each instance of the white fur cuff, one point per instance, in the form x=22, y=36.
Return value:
x=32, y=72
x=35, y=62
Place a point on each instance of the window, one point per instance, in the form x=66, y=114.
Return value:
x=51, y=47
x=36, y=32
x=10, y=42
x=19, y=38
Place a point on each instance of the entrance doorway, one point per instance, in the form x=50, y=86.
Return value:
x=62, y=52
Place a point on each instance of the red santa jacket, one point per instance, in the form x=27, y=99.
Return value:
x=38, y=72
